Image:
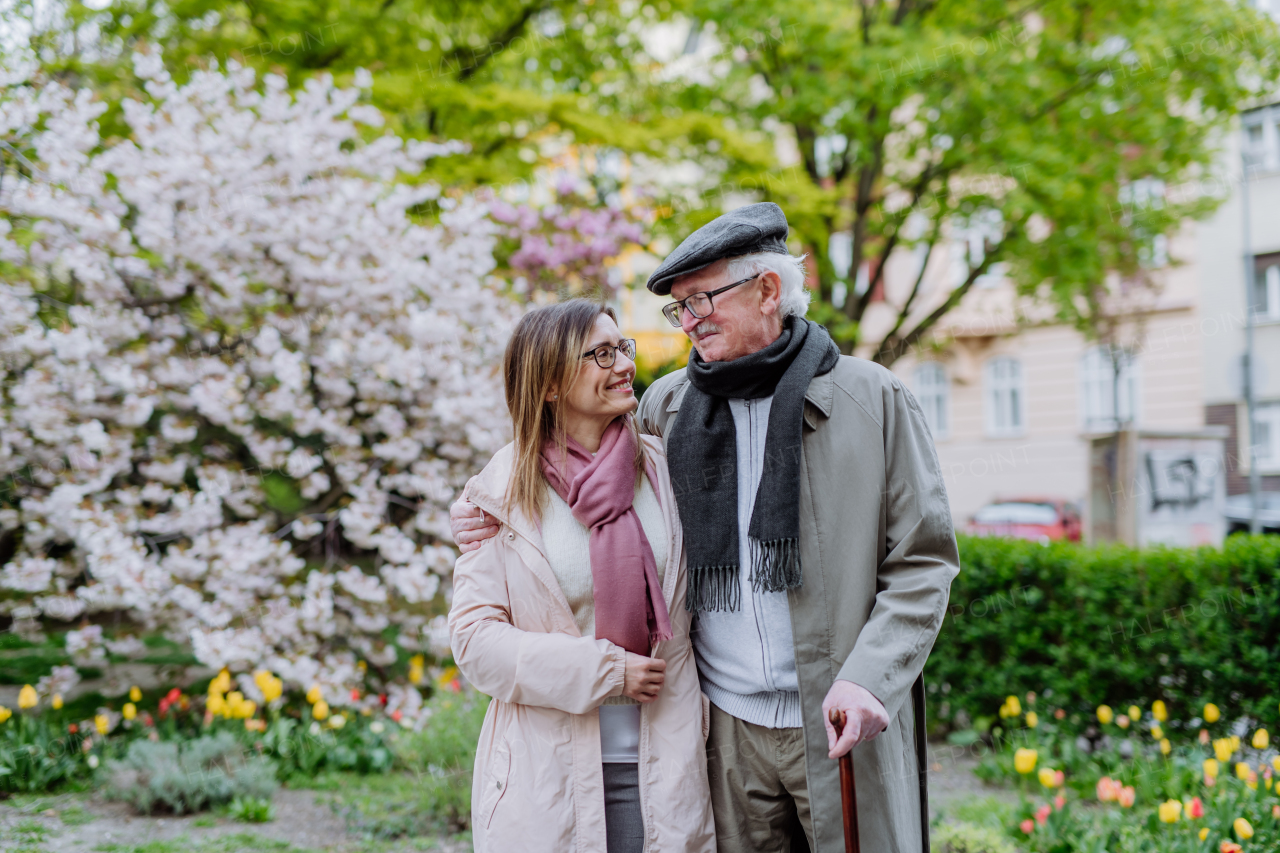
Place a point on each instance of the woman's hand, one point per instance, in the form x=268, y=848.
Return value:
x=644, y=677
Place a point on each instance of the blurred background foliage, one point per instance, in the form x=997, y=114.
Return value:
x=1034, y=132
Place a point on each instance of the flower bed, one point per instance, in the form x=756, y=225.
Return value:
x=1165, y=779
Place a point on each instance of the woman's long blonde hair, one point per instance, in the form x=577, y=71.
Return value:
x=545, y=353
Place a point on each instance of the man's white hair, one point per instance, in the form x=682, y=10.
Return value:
x=790, y=269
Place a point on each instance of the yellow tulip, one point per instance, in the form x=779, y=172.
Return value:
x=217, y=705
x=1261, y=739
x=1275, y=762
x=221, y=683
x=1242, y=770
x=5, y=713
x=314, y=694
x=320, y=710
x=1048, y=777
x=1135, y=713
x=1159, y=711
x=1223, y=749
x=1165, y=746
x=1015, y=707
x=1024, y=760
x=1157, y=732
x=1032, y=719
x=247, y=707
x=1170, y=810
x=102, y=723
x=129, y=711
x=1235, y=743
x=1211, y=713
x=135, y=695
x=1211, y=768
x=1204, y=833
x=27, y=697
x=56, y=701
x=1105, y=714
x=1243, y=828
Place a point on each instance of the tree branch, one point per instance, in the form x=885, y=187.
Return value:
x=891, y=350
x=508, y=35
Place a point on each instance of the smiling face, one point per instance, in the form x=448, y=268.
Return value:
x=597, y=395
x=744, y=319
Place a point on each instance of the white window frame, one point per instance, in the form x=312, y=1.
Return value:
x=1266, y=154
x=1097, y=401
x=1267, y=439
x=1004, y=397
x=933, y=393
x=1266, y=301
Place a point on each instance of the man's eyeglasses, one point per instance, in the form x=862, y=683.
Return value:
x=699, y=304
x=606, y=354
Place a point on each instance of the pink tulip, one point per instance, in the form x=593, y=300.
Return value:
x=1042, y=814
x=1028, y=826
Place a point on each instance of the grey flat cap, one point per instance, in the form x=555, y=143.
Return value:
x=754, y=228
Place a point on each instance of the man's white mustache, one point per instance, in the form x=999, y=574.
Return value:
x=704, y=328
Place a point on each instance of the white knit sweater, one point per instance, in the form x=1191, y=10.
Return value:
x=567, y=542
x=568, y=545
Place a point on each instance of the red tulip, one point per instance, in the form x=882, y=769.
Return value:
x=72, y=728
x=382, y=699
x=1195, y=808
x=396, y=715
x=355, y=695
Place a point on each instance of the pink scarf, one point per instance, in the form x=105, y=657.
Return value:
x=630, y=609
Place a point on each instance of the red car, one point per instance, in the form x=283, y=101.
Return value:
x=1037, y=519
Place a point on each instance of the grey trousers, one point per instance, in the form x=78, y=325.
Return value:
x=623, y=823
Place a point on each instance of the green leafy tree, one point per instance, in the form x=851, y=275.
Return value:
x=1044, y=133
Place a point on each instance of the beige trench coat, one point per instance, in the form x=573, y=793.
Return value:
x=538, y=784
x=878, y=553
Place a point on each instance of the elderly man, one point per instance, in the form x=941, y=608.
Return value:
x=819, y=541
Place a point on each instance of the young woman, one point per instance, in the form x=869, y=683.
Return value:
x=572, y=617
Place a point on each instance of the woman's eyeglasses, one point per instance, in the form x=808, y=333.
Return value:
x=606, y=354
x=699, y=304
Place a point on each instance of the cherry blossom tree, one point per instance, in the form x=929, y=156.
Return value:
x=242, y=379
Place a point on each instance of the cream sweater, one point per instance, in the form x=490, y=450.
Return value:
x=568, y=542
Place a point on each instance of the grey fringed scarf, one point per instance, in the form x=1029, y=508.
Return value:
x=702, y=459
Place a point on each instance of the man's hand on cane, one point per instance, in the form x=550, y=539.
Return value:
x=470, y=525
x=865, y=717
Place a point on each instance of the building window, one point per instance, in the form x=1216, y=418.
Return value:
x=931, y=394
x=1266, y=287
x=1098, y=389
x=1005, y=415
x=1266, y=440
x=1262, y=137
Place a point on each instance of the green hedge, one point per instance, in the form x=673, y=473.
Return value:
x=1110, y=624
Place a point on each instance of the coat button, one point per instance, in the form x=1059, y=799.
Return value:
x=511, y=536
x=499, y=784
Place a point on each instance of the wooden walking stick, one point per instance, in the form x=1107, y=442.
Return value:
x=848, y=793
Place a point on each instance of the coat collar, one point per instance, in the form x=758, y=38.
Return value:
x=820, y=396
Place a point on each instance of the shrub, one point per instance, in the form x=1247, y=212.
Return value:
x=251, y=810
x=968, y=838
x=1087, y=625
x=188, y=776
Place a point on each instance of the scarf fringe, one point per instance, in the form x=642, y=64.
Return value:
x=713, y=588
x=775, y=564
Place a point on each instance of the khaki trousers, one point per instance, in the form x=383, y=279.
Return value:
x=758, y=789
